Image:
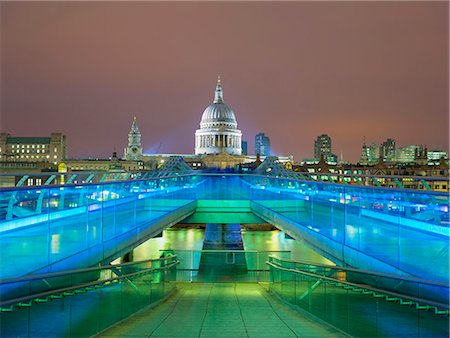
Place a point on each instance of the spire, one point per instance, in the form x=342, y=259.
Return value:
x=218, y=97
x=134, y=126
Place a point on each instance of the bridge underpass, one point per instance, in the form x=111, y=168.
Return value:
x=332, y=218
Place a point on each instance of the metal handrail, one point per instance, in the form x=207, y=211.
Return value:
x=66, y=272
x=222, y=251
x=102, y=282
x=199, y=173
x=368, y=272
x=369, y=288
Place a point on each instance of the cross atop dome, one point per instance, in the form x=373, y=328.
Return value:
x=218, y=96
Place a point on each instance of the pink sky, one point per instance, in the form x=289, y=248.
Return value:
x=293, y=70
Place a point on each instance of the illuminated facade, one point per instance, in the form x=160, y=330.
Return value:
x=133, y=151
x=218, y=131
x=51, y=149
x=262, y=145
x=322, y=146
x=388, y=150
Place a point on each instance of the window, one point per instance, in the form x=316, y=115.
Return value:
x=32, y=146
x=28, y=146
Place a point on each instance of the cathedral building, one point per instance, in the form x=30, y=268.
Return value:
x=218, y=131
x=218, y=141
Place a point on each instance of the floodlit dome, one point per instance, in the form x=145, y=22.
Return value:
x=218, y=128
x=218, y=113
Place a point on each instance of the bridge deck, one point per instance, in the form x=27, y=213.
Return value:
x=221, y=310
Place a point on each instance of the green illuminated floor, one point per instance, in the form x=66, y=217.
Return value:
x=220, y=310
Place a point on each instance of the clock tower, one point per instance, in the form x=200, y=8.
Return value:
x=134, y=150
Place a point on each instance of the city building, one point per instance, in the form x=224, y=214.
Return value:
x=262, y=145
x=388, y=150
x=133, y=151
x=244, y=146
x=407, y=154
x=435, y=155
x=218, y=131
x=322, y=146
x=369, y=154
x=51, y=149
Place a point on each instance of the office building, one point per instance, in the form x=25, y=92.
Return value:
x=244, y=146
x=51, y=149
x=322, y=146
x=262, y=145
x=388, y=150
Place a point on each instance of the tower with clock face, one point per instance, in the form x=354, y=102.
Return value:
x=134, y=149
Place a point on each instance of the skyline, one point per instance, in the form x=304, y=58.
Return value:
x=349, y=70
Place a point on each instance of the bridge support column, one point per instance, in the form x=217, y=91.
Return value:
x=223, y=237
x=218, y=265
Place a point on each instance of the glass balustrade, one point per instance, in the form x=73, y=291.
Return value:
x=82, y=303
x=360, y=303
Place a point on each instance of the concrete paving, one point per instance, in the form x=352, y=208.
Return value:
x=221, y=310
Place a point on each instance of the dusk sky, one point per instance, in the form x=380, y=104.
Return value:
x=292, y=70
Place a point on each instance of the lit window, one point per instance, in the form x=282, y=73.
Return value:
x=38, y=151
x=55, y=156
x=13, y=145
x=32, y=156
x=21, y=156
x=28, y=156
x=23, y=146
x=28, y=150
x=28, y=146
x=37, y=156
x=56, y=149
x=32, y=146
x=48, y=156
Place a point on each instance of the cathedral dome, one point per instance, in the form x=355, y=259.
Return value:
x=218, y=114
x=218, y=131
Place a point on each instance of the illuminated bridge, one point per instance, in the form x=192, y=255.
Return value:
x=390, y=247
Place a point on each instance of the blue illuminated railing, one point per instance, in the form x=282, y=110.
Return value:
x=81, y=303
x=361, y=303
x=407, y=230
x=81, y=223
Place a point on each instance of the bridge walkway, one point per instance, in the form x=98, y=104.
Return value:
x=221, y=310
